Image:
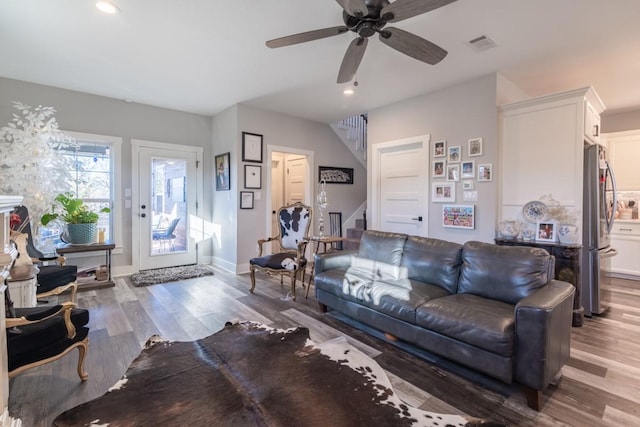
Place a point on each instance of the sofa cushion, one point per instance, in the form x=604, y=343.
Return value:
x=397, y=298
x=433, y=261
x=382, y=246
x=477, y=321
x=504, y=273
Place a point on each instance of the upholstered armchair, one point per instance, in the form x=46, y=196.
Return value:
x=291, y=239
x=39, y=335
x=53, y=279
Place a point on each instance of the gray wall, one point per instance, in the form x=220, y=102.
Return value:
x=277, y=130
x=619, y=122
x=456, y=114
x=83, y=112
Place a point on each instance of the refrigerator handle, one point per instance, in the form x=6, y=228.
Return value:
x=615, y=197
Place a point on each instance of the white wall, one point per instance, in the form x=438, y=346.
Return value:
x=283, y=131
x=456, y=114
x=82, y=112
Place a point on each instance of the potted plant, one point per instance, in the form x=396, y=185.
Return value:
x=81, y=222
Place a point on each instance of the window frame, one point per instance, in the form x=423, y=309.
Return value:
x=115, y=145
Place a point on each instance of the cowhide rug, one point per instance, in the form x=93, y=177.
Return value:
x=248, y=374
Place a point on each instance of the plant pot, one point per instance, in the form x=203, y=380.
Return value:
x=80, y=234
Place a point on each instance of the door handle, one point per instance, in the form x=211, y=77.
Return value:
x=419, y=219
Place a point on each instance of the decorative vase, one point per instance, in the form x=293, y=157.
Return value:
x=80, y=234
x=509, y=229
x=568, y=234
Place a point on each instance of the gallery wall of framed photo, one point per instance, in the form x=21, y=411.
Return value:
x=457, y=162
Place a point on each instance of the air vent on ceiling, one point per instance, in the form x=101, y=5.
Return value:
x=481, y=43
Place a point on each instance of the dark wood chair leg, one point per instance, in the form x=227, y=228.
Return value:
x=534, y=398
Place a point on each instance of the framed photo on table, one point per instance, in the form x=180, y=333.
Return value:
x=222, y=172
x=246, y=200
x=546, y=231
x=251, y=147
x=252, y=176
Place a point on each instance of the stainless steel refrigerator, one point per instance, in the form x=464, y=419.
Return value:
x=599, y=195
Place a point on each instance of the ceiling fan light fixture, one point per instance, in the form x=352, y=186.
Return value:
x=108, y=7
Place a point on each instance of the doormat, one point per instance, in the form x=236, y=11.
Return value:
x=170, y=274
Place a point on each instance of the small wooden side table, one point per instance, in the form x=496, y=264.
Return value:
x=93, y=247
x=324, y=241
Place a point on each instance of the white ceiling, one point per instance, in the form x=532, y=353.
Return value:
x=203, y=56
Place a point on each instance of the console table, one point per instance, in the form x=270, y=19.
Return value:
x=107, y=247
x=567, y=267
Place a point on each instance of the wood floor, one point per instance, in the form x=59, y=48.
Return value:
x=600, y=385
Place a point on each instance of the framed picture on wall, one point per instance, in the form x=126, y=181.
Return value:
x=468, y=169
x=453, y=172
x=459, y=216
x=454, y=154
x=246, y=200
x=222, y=172
x=440, y=148
x=438, y=169
x=252, y=176
x=443, y=192
x=251, y=147
x=475, y=147
x=335, y=175
x=485, y=172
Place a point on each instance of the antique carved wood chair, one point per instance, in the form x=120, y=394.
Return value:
x=53, y=279
x=290, y=260
x=39, y=335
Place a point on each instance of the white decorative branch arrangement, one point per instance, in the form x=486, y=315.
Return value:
x=30, y=163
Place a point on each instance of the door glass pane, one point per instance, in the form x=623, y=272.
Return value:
x=168, y=206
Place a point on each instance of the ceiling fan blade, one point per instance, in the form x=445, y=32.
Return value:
x=354, y=7
x=412, y=45
x=307, y=36
x=352, y=59
x=403, y=9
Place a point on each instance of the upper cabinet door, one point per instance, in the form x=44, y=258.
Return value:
x=591, y=123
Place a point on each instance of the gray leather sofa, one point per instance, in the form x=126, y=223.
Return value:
x=496, y=309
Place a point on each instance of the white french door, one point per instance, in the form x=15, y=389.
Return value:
x=166, y=220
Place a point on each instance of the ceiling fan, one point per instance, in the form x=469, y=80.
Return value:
x=368, y=17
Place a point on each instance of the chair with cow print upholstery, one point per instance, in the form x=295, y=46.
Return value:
x=291, y=240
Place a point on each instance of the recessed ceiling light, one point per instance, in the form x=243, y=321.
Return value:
x=348, y=91
x=108, y=7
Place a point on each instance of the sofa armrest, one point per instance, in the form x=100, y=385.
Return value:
x=543, y=334
x=331, y=260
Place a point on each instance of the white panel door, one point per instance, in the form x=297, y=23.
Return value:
x=403, y=193
x=294, y=178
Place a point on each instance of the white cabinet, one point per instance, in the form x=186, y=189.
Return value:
x=541, y=148
x=591, y=123
x=23, y=290
x=625, y=238
x=624, y=153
